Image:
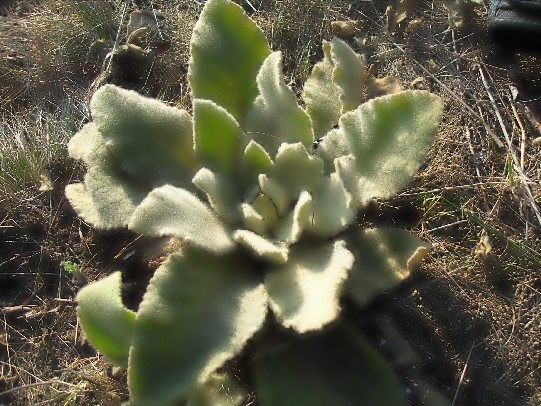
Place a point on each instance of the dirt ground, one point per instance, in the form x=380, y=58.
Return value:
x=463, y=330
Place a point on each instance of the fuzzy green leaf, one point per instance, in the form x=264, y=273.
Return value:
x=252, y=219
x=335, y=86
x=388, y=137
x=259, y=216
x=102, y=200
x=221, y=193
x=322, y=96
x=276, y=253
x=217, y=137
x=218, y=390
x=275, y=116
x=348, y=74
x=227, y=49
x=151, y=141
x=106, y=322
x=304, y=292
x=255, y=161
x=385, y=257
x=278, y=195
x=296, y=170
x=290, y=228
x=171, y=211
x=337, y=367
x=89, y=146
x=332, y=210
x=198, y=312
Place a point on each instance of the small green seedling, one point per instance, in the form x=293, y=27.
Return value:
x=73, y=269
x=268, y=222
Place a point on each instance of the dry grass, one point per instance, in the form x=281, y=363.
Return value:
x=475, y=200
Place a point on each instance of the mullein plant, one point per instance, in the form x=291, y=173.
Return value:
x=263, y=196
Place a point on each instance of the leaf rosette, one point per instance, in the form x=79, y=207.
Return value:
x=268, y=220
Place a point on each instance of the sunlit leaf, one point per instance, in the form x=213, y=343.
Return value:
x=104, y=201
x=227, y=48
x=171, y=211
x=217, y=137
x=322, y=95
x=198, y=312
x=332, y=211
x=388, y=137
x=151, y=141
x=276, y=253
x=304, y=292
x=218, y=390
x=275, y=116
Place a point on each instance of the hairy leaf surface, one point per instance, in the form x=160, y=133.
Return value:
x=388, y=137
x=102, y=200
x=275, y=116
x=107, y=323
x=304, y=292
x=227, y=49
x=385, y=257
x=218, y=390
x=217, y=137
x=171, y=211
x=198, y=312
x=151, y=141
x=322, y=95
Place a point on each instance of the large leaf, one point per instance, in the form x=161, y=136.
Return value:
x=171, y=211
x=304, y=292
x=322, y=96
x=104, y=201
x=227, y=49
x=388, y=138
x=348, y=74
x=198, y=312
x=337, y=367
x=152, y=141
x=105, y=321
x=384, y=258
x=217, y=137
x=335, y=86
x=275, y=116
x=108, y=196
x=89, y=146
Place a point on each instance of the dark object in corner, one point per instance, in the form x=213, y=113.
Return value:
x=516, y=24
